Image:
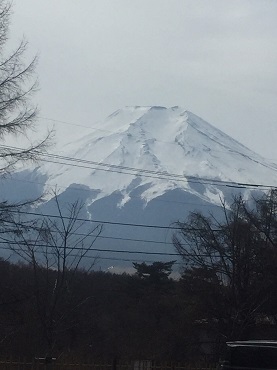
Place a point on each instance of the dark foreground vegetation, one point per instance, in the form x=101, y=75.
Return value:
x=100, y=314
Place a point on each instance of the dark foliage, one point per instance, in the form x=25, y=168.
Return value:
x=104, y=316
x=230, y=264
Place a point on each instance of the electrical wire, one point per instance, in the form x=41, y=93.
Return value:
x=37, y=245
x=161, y=141
x=97, y=257
x=106, y=222
x=86, y=250
x=141, y=172
x=133, y=196
x=102, y=237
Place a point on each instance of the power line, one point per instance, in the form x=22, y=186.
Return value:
x=97, y=257
x=128, y=239
x=5, y=240
x=161, y=141
x=133, y=196
x=153, y=174
x=74, y=124
x=98, y=221
x=105, y=222
x=84, y=250
x=144, y=241
x=144, y=173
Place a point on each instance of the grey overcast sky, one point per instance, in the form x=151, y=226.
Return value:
x=216, y=58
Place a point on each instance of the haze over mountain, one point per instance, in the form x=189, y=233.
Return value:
x=144, y=165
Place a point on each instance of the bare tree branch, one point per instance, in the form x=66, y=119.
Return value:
x=55, y=254
x=17, y=86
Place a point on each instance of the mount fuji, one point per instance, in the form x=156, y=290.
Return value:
x=138, y=172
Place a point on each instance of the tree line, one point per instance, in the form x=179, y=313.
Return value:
x=96, y=314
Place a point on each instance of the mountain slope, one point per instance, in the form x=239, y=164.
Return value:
x=167, y=142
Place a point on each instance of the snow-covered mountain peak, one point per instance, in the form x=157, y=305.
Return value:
x=133, y=146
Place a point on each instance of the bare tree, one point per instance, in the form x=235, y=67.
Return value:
x=17, y=113
x=232, y=257
x=17, y=85
x=56, y=248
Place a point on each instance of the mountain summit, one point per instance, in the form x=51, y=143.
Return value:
x=158, y=148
